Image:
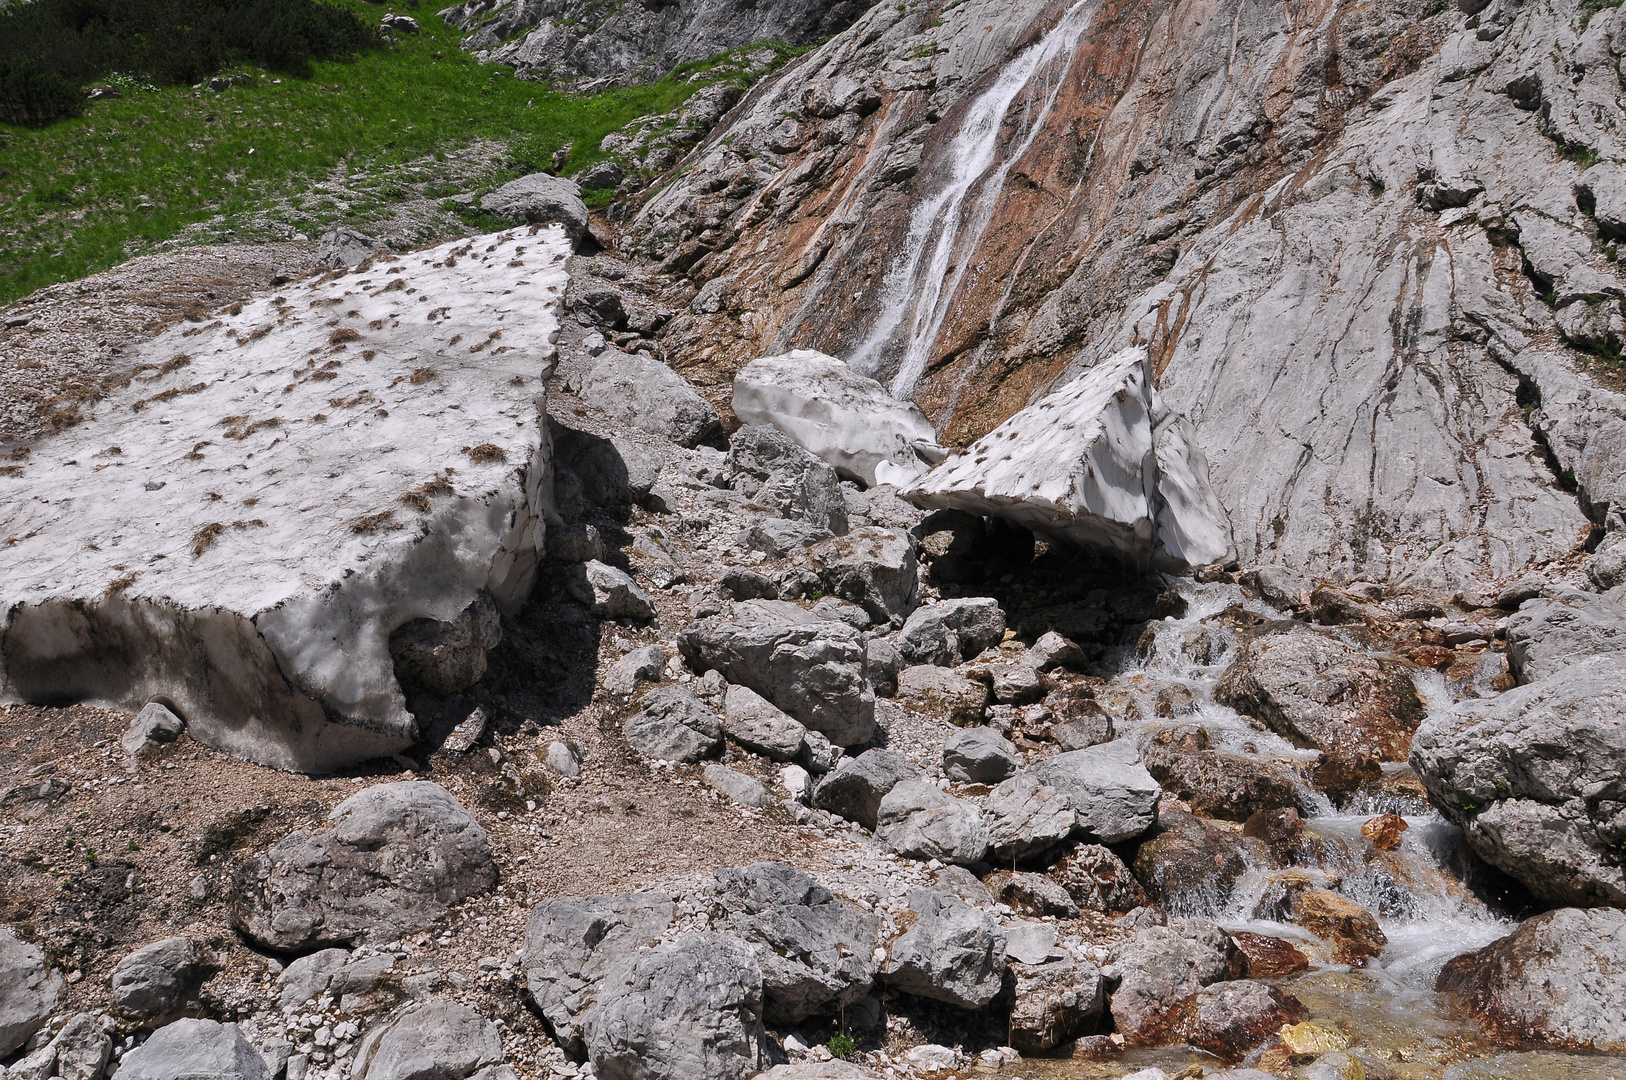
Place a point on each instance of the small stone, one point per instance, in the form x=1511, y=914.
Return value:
x=561, y=759
x=643, y=665
x=737, y=787
x=1384, y=831
x=152, y=727
x=467, y=733
x=608, y=593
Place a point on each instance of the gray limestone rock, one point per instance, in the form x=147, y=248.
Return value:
x=432, y=1040
x=1534, y=777
x=779, y=538
x=1558, y=980
x=1053, y=651
x=942, y=693
x=688, y=1008
x=153, y=985
x=674, y=726
x=79, y=1051
x=811, y=668
x=953, y=953
x=756, y=724
x=918, y=820
x=445, y=657
x=818, y=754
x=643, y=665
x=1030, y=894
x=950, y=632
x=882, y=663
x=575, y=543
x=855, y=787
x=1160, y=967
x=195, y=1050
x=1114, y=798
x=607, y=592
x=779, y=475
x=29, y=990
x=573, y=942
x=1054, y=1002
x=561, y=759
x=396, y=857
x=979, y=755
x=304, y=979
x=874, y=568
x=153, y=726
x=735, y=786
x=1026, y=818
x=342, y=247
x=1544, y=638
x=1602, y=190
x=540, y=199
x=647, y=394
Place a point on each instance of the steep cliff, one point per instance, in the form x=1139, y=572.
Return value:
x=1354, y=237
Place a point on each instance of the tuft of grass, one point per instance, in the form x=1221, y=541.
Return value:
x=842, y=1045
x=86, y=193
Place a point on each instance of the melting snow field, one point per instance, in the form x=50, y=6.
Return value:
x=240, y=527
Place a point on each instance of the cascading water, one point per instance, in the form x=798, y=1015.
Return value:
x=943, y=230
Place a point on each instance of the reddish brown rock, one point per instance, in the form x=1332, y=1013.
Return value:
x=1384, y=831
x=1269, y=957
x=1352, y=930
x=1098, y=880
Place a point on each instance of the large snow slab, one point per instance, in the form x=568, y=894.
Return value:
x=1102, y=463
x=838, y=415
x=241, y=527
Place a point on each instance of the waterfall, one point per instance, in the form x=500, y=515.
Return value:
x=920, y=286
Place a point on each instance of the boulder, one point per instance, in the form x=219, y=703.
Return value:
x=1352, y=931
x=1114, y=798
x=1053, y=651
x=1545, y=637
x=779, y=475
x=643, y=665
x=941, y=693
x=154, y=984
x=778, y=538
x=1220, y=784
x=540, y=199
x=1269, y=957
x=445, y=657
x=1100, y=462
x=641, y=391
x=1192, y=865
x=153, y=726
x=1559, y=980
x=674, y=726
x=949, y=632
x=607, y=592
x=752, y=721
x=743, y=583
x=79, y=1051
x=855, y=787
x=1053, y=1003
x=307, y=977
x=736, y=787
x=1026, y=818
x=979, y=755
x=917, y=820
x=1159, y=968
x=1097, y=880
x=1319, y=692
x=818, y=754
x=1230, y=1019
x=339, y=458
x=396, y=857
x=872, y=567
x=883, y=663
x=1012, y=683
x=572, y=943
x=195, y=1050
x=342, y=247
x=838, y=415
x=591, y=471
x=953, y=953
x=433, y=1040
x=1030, y=894
x=811, y=668
x=688, y=1008
x=1534, y=778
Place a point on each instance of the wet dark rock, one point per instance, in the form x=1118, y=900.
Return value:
x=1269, y=957
x=1191, y=864
x=1229, y=1019
x=1352, y=931
x=1217, y=783
x=1159, y=969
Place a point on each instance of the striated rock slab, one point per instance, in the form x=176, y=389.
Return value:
x=1534, y=778
x=1101, y=463
x=839, y=416
x=241, y=528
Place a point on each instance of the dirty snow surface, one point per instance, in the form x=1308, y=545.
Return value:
x=239, y=528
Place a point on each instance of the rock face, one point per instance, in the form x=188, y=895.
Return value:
x=1558, y=980
x=397, y=856
x=1319, y=692
x=1100, y=462
x=689, y=1008
x=1544, y=637
x=953, y=953
x=651, y=396
x=838, y=415
x=188, y=1049
x=811, y=668
x=1114, y=798
x=28, y=991
x=1533, y=777
x=231, y=574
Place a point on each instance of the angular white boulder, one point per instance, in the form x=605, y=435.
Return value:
x=239, y=529
x=1100, y=462
x=838, y=415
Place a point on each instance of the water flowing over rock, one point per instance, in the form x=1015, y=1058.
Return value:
x=227, y=529
x=1558, y=980
x=1101, y=463
x=1159, y=968
x=839, y=416
x=396, y=857
x=1534, y=778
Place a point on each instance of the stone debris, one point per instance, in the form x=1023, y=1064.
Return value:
x=838, y=415
x=1100, y=462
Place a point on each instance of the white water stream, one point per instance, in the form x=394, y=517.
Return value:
x=944, y=230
